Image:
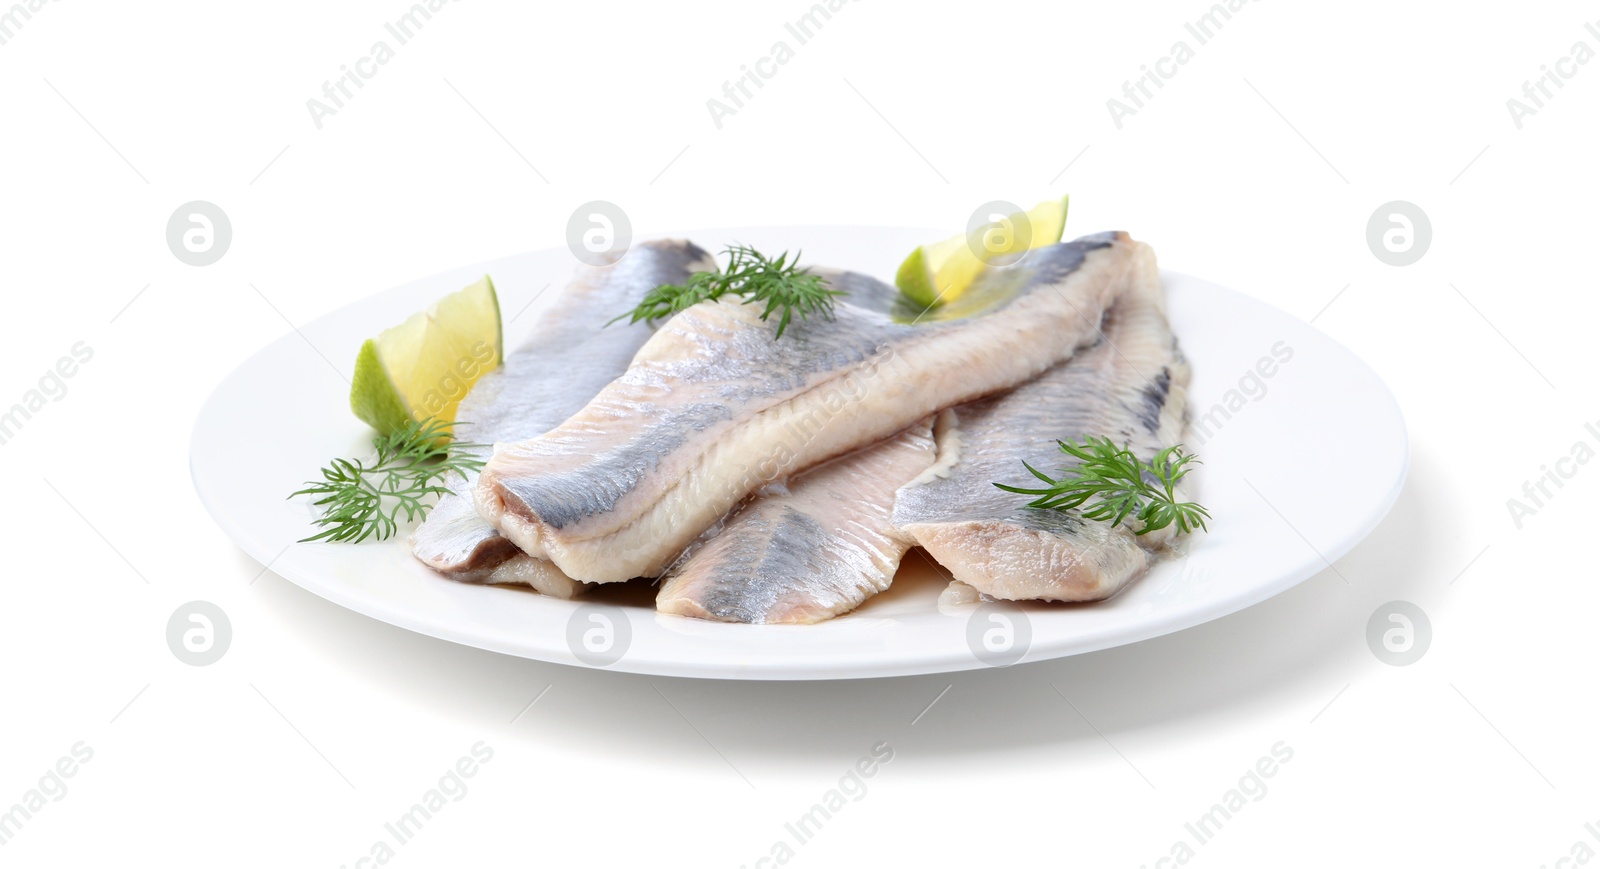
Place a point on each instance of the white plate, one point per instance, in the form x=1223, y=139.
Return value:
x=1307, y=463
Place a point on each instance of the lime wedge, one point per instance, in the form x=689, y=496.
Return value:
x=940, y=272
x=422, y=368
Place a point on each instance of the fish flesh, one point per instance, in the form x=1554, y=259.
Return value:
x=570, y=355
x=818, y=546
x=713, y=407
x=806, y=551
x=958, y=594
x=1131, y=386
x=536, y=573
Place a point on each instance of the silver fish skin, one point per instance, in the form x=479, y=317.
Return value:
x=1131, y=386
x=570, y=355
x=808, y=551
x=713, y=407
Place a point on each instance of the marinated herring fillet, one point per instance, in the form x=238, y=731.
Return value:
x=806, y=551
x=713, y=407
x=1131, y=387
x=817, y=547
x=566, y=360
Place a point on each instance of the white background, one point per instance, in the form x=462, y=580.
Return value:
x=1256, y=166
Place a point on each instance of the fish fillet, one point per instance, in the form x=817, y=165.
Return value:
x=713, y=408
x=817, y=547
x=808, y=551
x=568, y=358
x=1131, y=387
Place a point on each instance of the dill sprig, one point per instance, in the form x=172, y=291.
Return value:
x=366, y=499
x=778, y=282
x=1122, y=486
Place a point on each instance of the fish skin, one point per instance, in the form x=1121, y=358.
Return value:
x=808, y=551
x=713, y=407
x=521, y=399
x=1132, y=387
